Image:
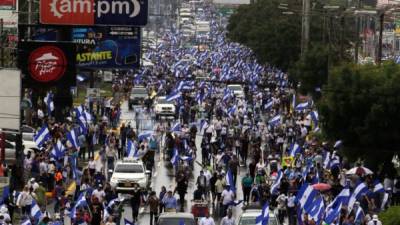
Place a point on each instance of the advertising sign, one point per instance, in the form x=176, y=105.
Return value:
x=48, y=64
x=8, y=4
x=10, y=90
x=10, y=18
x=94, y=12
x=107, y=47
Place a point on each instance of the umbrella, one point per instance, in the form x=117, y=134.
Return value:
x=322, y=186
x=360, y=170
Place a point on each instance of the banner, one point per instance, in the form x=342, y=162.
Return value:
x=107, y=47
x=47, y=64
x=8, y=4
x=94, y=12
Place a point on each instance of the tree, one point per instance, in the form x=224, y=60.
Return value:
x=360, y=105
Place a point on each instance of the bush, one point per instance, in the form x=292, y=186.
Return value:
x=391, y=216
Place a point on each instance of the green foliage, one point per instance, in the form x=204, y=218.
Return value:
x=274, y=37
x=360, y=105
x=391, y=216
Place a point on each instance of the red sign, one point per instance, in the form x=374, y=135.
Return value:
x=62, y=12
x=47, y=64
x=7, y=4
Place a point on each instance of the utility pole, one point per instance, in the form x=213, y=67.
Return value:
x=381, y=20
x=357, y=35
x=2, y=42
x=305, y=29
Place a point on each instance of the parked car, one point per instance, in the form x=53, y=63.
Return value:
x=248, y=217
x=162, y=107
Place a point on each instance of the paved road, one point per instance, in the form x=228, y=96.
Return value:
x=163, y=175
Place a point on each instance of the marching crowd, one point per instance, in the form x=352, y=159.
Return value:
x=305, y=180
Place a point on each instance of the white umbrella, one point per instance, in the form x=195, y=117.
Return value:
x=359, y=170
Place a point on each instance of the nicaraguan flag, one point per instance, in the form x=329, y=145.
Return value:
x=341, y=199
x=337, y=144
x=231, y=111
x=174, y=95
x=49, y=102
x=277, y=183
x=275, y=120
x=229, y=181
x=359, y=215
x=360, y=189
x=263, y=218
x=58, y=150
x=176, y=127
x=332, y=214
x=6, y=194
x=42, y=136
x=145, y=135
x=175, y=157
x=72, y=138
x=314, y=117
x=127, y=222
x=81, y=202
x=378, y=187
x=35, y=210
x=203, y=124
x=305, y=195
x=26, y=222
x=316, y=209
x=269, y=105
x=131, y=150
x=327, y=160
x=335, y=161
x=302, y=106
x=294, y=149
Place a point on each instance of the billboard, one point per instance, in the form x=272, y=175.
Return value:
x=47, y=64
x=10, y=18
x=10, y=90
x=8, y=4
x=94, y=12
x=107, y=47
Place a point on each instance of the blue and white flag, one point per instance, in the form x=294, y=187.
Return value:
x=127, y=222
x=35, y=210
x=332, y=214
x=314, y=117
x=26, y=222
x=378, y=187
x=203, y=124
x=359, y=217
x=81, y=202
x=173, y=95
x=49, y=102
x=337, y=144
x=6, y=194
x=176, y=127
x=294, y=149
x=334, y=162
x=58, y=150
x=175, y=157
x=302, y=106
x=131, y=149
x=73, y=138
x=341, y=199
x=275, y=120
x=269, y=105
x=316, y=209
x=42, y=136
x=145, y=135
x=277, y=183
x=360, y=190
x=231, y=111
x=306, y=195
x=229, y=181
x=263, y=218
x=326, y=160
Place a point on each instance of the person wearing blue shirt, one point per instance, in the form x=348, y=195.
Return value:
x=169, y=202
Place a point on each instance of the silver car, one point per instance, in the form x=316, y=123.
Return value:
x=176, y=219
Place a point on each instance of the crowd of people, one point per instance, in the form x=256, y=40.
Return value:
x=262, y=130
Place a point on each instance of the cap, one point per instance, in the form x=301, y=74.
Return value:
x=32, y=180
x=375, y=217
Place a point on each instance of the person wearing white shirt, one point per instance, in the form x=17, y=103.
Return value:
x=227, y=196
x=99, y=193
x=228, y=219
x=207, y=220
x=374, y=221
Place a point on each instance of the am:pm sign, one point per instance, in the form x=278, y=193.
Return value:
x=94, y=12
